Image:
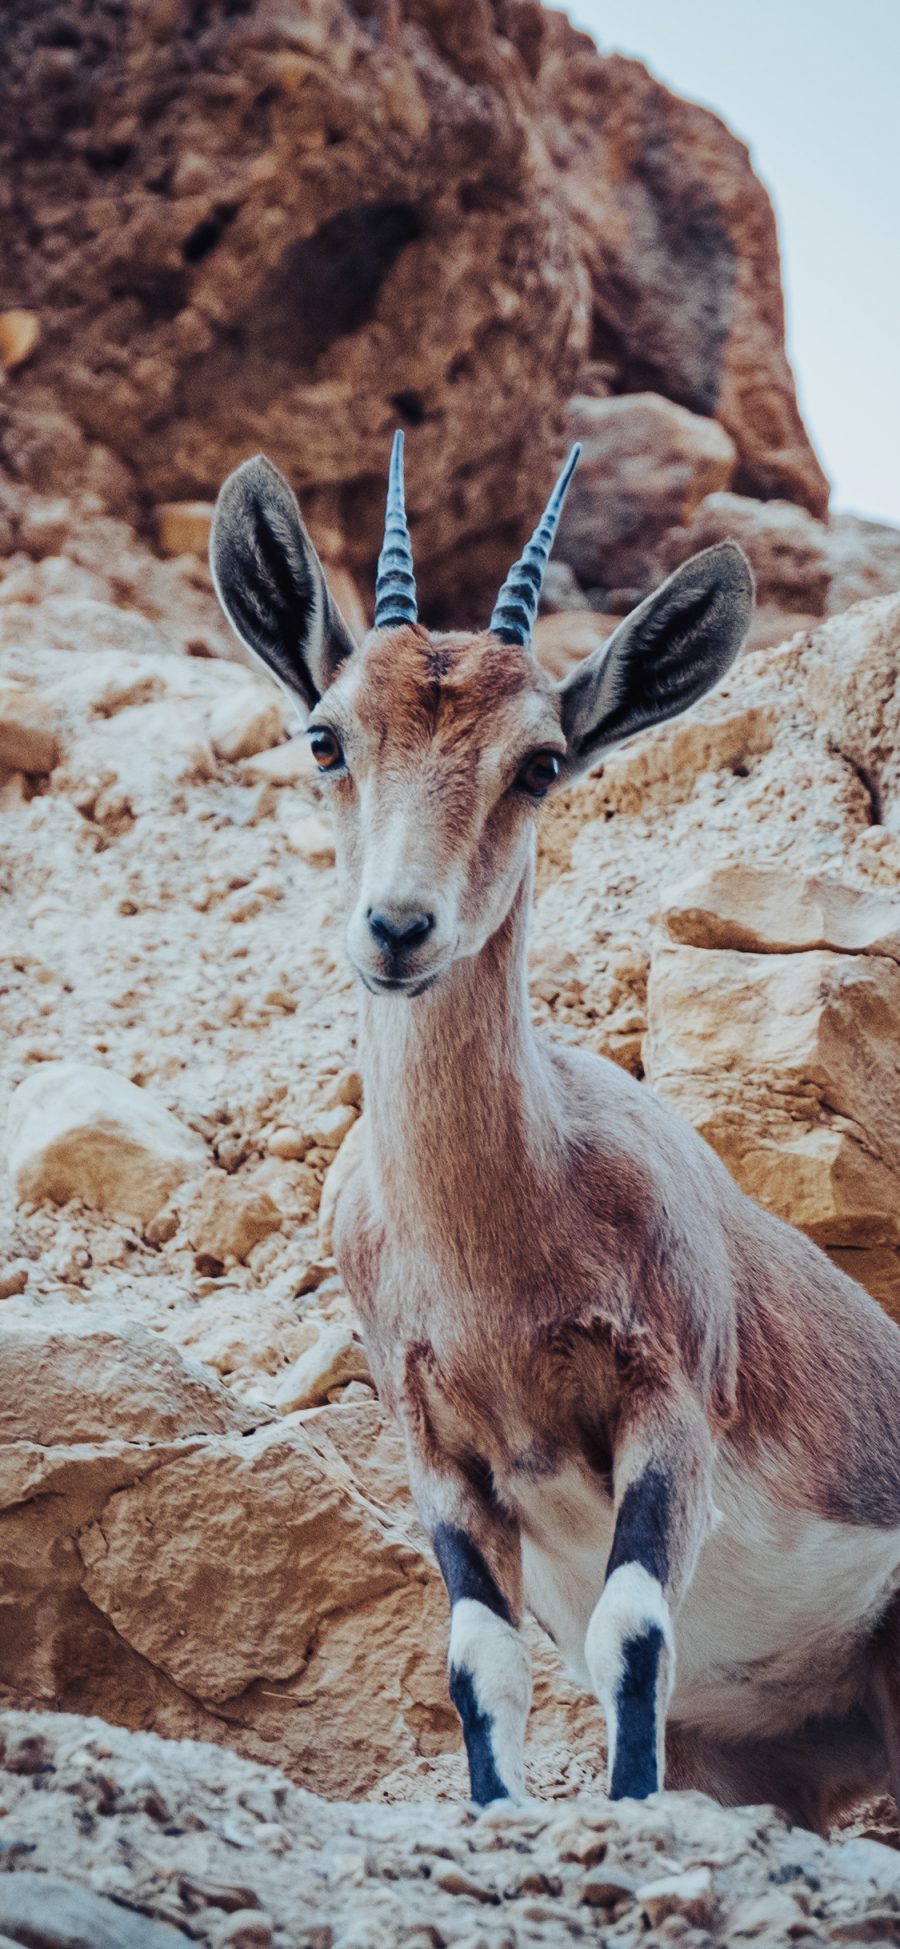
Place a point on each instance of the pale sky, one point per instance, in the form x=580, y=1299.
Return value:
x=812, y=86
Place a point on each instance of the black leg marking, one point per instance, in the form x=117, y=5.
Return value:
x=634, y=1769
x=642, y=1526
x=465, y=1572
x=477, y=1726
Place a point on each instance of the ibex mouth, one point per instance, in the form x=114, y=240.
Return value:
x=409, y=985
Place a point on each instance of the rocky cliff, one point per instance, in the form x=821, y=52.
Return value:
x=269, y=225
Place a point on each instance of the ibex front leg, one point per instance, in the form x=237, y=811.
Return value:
x=479, y=1553
x=662, y=1469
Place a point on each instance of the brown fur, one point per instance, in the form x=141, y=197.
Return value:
x=541, y=1253
x=603, y=1357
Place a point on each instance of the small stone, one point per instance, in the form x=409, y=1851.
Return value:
x=607, y=1887
x=331, y=1126
x=333, y=1358
x=247, y=720
x=247, y=1928
x=225, y=1221
x=20, y=333
x=13, y=1279
x=345, y=592
x=28, y=741
x=346, y=1088
x=311, y=838
x=689, y=1894
x=288, y=1142
x=288, y=764
x=182, y=527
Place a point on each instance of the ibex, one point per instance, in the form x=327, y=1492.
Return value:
x=632, y=1401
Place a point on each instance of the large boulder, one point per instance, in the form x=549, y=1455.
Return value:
x=788, y=550
x=294, y=228
x=172, y=1558
x=680, y=238
x=79, y=1131
x=774, y=1028
x=645, y=466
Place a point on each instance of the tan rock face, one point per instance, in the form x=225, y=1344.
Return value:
x=680, y=239
x=223, y=1220
x=789, y=552
x=772, y=1029
x=645, y=466
x=770, y=910
x=858, y=697
x=417, y=222
x=76, y=1131
x=268, y=1588
x=789, y=1065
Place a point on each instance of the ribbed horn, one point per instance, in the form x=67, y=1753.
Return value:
x=395, y=583
x=517, y=604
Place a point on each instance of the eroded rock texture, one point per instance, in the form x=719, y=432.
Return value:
x=294, y=227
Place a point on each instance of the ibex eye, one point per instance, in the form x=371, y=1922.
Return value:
x=538, y=773
x=326, y=749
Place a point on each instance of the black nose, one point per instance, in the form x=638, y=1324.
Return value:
x=397, y=929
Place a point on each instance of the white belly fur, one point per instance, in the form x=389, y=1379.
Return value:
x=770, y=1628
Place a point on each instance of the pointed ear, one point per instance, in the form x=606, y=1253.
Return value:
x=271, y=583
x=664, y=656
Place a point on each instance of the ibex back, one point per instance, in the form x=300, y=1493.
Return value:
x=632, y=1401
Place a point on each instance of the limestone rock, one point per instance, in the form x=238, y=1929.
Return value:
x=45, y=1909
x=562, y=641
x=789, y=551
x=334, y=1357
x=312, y=839
x=789, y=1065
x=345, y=591
x=484, y=216
x=771, y=910
x=247, y=720
x=89, y=1386
x=28, y=740
x=226, y=1219
x=681, y=243
x=288, y=764
x=20, y=333
x=645, y=466
x=183, y=527
x=864, y=558
x=78, y=1131
x=853, y=691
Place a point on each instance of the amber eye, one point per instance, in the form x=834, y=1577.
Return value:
x=538, y=773
x=326, y=748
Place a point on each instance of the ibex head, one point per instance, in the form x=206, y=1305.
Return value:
x=437, y=749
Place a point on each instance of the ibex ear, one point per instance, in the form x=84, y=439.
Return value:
x=664, y=656
x=271, y=583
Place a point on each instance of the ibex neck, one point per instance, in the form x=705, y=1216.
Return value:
x=458, y=1099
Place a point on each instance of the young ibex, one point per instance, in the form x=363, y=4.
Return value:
x=632, y=1401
